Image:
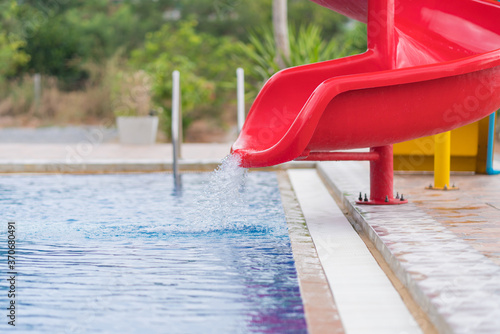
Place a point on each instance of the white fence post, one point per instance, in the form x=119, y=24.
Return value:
x=176, y=126
x=240, y=94
x=37, y=83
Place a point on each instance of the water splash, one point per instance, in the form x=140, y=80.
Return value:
x=223, y=197
x=227, y=201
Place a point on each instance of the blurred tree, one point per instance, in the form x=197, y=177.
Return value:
x=12, y=56
x=55, y=49
x=238, y=17
x=352, y=39
x=302, y=12
x=280, y=29
x=206, y=63
x=307, y=45
x=226, y=17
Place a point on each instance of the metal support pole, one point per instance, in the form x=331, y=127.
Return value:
x=381, y=179
x=340, y=156
x=37, y=87
x=381, y=173
x=176, y=126
x=442, y=157
x=240, y=94
x=491, y=144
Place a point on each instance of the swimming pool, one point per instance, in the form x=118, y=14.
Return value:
x=128, y=253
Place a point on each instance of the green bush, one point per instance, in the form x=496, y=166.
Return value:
x=55, y=49
x=206, y=64
x=307, y=45
x=352, y=39
x=12, y=55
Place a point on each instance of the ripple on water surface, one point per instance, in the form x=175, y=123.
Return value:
x=130, y=254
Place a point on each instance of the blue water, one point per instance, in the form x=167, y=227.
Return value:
x=129, y=254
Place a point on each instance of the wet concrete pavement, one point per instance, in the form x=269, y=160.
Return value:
x=443, y=246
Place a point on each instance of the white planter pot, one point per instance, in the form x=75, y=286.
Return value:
x=137, y=130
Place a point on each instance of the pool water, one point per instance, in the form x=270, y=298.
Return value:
x=130, y=254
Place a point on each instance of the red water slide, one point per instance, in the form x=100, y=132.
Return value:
x=431, y=66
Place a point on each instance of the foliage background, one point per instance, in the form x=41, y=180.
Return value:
x=99, y=58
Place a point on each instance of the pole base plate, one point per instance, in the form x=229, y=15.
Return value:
x=442, y=188
x=391, y=201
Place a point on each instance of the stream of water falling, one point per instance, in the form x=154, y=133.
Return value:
x=223, y=198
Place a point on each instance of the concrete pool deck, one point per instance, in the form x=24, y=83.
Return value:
x=89, y=157
x=443, y=247
x=365, y=299
x=94, y=157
